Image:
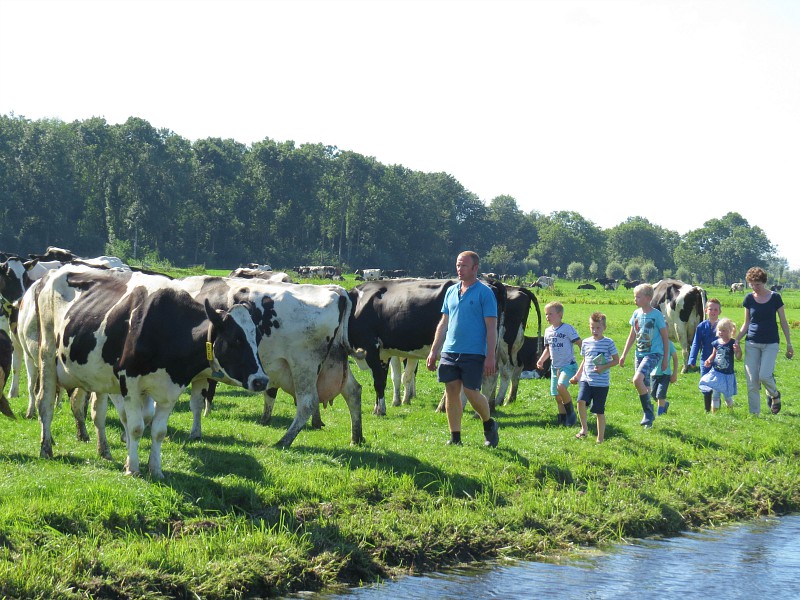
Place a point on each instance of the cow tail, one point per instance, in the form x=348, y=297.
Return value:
x=535, y=301
x=345, y=308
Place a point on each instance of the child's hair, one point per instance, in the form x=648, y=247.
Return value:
x=645, y=289
x=557, y=306
x=725, y=324
x=714, y=301
x=598, y=317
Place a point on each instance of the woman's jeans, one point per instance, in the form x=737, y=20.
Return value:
x=759, y=367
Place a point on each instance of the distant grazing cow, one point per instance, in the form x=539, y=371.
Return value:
x=395, y=273
x=776, y=288
x=6, y=351
x=607, y=283
x=545, y=282
x=398, y=318
x=372, y=274
x=586, y=286
x=737, y=287
x=629, y=285
x=137, y=336
x=683, y=306
x=247, y=273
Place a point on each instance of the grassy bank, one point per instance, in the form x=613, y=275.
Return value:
x=238, y=518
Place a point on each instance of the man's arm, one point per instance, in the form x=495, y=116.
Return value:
x=438, y=342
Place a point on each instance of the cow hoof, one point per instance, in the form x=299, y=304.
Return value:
x=357, y=442
x=378, y=412
x=31, y=414
x=130, y=473
x=396, y=402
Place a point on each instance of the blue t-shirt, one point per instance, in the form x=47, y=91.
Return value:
x=648, y=328
x=763, y=328
x=657, y=371
x=597, y=352
x=466, y=328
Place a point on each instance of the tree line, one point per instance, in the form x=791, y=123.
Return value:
x=142, y=193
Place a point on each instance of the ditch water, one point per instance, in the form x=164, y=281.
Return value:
x=748, y=561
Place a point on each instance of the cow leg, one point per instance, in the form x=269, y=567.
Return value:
x=158, y=431
x=45, y=404
x=119, y=404
x=305, y=406
x=380, y=374
x=316, y=418
x=32, y=375
x=197, y=403
x=99, y=412
x=77, y=402
x=516, y=372
x=410, y=380
x=269, y=403
x=352, y=395
x=396, y=368
x=488, y=389
x=16, y=363
x=134, y=428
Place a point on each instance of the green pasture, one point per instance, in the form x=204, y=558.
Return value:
x=238, y=518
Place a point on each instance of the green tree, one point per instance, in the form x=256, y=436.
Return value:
x=637, y=238
x=615, y=270
x=566, y=237
x=575, y=271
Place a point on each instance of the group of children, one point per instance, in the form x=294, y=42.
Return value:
x=656, y=361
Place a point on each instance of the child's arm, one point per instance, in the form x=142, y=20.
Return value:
x=628, y=344
x=665, y=341
x=543, y=358
x=737, y=351
x=710, y=359
x=577, y=377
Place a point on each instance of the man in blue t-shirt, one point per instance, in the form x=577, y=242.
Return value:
x=466, y=338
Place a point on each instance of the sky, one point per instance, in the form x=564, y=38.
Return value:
x=679, y=111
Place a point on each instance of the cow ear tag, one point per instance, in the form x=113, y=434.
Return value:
x=209, y=351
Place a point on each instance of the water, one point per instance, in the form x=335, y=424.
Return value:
x=758, y=559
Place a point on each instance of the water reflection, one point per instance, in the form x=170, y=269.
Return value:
x=738, y=562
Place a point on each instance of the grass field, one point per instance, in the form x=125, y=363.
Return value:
x=238, y=518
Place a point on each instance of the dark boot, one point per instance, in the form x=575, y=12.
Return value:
x=707, y=400
x=647, y=409
x=570, y=418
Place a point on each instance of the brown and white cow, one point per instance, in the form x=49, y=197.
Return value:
x=683, y=307
x=138, y=336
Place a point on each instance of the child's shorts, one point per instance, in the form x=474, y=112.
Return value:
x=594, y=396
x=561, y=375
x=659, y=387
x=646, y=364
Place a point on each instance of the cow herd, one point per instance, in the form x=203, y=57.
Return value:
x=101, y=331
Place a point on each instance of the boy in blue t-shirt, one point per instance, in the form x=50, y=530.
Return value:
x=649, y=331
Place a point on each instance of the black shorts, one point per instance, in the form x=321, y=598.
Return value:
x=467, y=368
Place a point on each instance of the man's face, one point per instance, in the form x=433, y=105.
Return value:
x=465, y=269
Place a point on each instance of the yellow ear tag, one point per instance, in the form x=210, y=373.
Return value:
x=209, y=351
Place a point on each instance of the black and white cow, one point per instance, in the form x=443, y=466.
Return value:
x=586, y=286
x=607, y=282
x=398, y=317
x=683, y=307
x=137, y=336
x=515, y=319
x=304, y=346
x=737, y=287
x=248, y=273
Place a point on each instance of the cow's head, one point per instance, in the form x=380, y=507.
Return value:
x=232, y=349
x=12, y=273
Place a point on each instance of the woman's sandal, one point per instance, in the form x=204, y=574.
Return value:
x=580, y=435
x=775, y=405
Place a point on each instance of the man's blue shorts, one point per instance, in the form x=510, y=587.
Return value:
x=467, y=368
